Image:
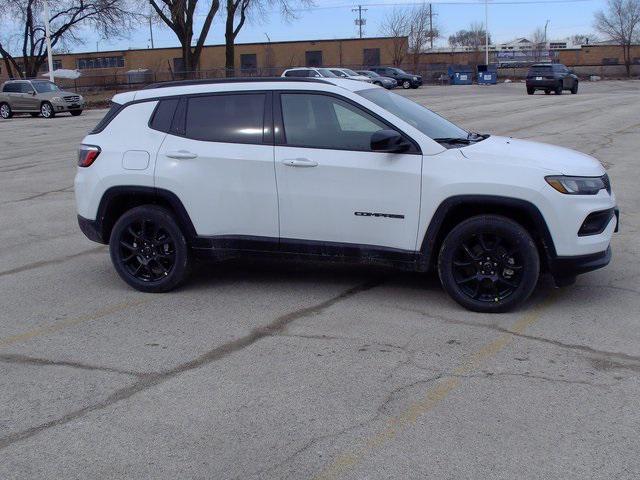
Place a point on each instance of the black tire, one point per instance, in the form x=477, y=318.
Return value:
x=406, y=84
x=5, y=111
x=530, y=90
x=574, y=89
x=34, y=114
x=558, y=89
x=46, y=110
x=547, y=92
x=378, y=83
x=148, y=249
x=489, y=263
x=75, y=113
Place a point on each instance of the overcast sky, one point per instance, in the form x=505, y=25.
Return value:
x=334, y=19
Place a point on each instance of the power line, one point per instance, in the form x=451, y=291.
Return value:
x=445, y=2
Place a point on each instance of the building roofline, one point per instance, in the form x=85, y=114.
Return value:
x=323, y=40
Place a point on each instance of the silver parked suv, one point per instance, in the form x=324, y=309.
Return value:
x=37, y=97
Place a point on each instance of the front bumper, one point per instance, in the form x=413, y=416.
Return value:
x=68, y=106
x=568, y=267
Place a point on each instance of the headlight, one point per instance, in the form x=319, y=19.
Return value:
x=415, y=79
x=578, y=185
x=56, y=99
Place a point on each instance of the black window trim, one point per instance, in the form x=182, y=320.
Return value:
x=278, y=122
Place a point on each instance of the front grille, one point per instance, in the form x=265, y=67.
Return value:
x=607, y=182
x=72, y=98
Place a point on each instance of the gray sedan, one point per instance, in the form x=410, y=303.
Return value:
x=377, y=79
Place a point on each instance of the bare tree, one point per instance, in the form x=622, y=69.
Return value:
x=238, y=11
x=538, y=38
x=422, y=32
x=396, y=26
x=179, y=16
x=473, y=38
x=620, y=23
x=583, y=38
x=109, y=17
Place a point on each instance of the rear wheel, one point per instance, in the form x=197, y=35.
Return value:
x=148, y=249
x=5, y=111
x=574, y=89
x=489, y=263
x=46, y=110
x=547, y=92
x=530, y=90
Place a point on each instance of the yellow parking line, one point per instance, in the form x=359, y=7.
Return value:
x=431, y=399
x=69, y=322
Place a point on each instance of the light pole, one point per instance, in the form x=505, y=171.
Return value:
x=486, y=32
x=48, y=38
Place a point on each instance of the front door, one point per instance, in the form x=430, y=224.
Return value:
x=29, y=99
x=331, y=187
x=218, y=159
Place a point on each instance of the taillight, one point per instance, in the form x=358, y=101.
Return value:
x=87, y=154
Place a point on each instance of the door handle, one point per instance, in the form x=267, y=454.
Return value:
x=300, y=162
x=181, y=155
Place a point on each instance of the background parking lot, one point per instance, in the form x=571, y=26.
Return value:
x=286, y=370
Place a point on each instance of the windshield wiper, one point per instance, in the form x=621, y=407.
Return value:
x=465, y=141
x=477, y=137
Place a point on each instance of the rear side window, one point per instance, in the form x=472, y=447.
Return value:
x=163, y=115
x=111, y=114
x=297, y=73
x=237, y=118
x=11, y=87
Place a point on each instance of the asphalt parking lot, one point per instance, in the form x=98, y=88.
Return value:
x=277, y=370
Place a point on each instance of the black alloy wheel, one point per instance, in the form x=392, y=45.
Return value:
x=148, y=249
x=489, y=264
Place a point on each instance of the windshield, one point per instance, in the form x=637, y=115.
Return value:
x=325, y=72
x=399, y=70
x=351, y=73
x=370, y=74
x=44, y=87
x=428, y=122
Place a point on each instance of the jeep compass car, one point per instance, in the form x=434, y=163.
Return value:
x=551, y=78
x=37, y=97
x=332, y=169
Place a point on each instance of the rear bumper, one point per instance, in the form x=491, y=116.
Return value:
x=91, y=229
x=542, y=83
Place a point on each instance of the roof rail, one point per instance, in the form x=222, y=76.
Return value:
x=181, y=83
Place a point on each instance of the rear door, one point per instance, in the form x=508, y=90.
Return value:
x=218, y=159
x=331, y=186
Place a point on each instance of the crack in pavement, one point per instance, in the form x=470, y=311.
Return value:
x=55, y=261
x=218, y=353
x=44, y=362
x=571, y=346
x=42, y=194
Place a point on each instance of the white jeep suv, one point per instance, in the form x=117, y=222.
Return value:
x=339, y=170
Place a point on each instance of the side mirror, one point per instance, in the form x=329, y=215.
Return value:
x=389, y=141
x=33, y=92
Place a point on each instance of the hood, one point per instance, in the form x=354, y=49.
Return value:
x=362, y=78
x=557, y=160
x=59, y=93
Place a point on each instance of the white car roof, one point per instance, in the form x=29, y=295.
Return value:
x=187, y=88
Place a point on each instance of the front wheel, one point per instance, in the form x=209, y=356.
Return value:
x=406, y=84
x=574, y=89
x=148, y=249
x=559, y=89
x=75, y=113
x=530, y=90
x=46, y=110
x=489, y=263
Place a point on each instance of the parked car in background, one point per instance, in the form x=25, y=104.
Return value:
x=38, y=97
x=406, y=80
x=376, y=79
x=349, y=74
x=309, y=72
x=332, y=169
x=551, y=77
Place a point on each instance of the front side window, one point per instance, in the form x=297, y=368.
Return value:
x=237, y=118
x=423, y=119
x=325, y=72
x=44, y=87
x=25, y=88
x=321, y=121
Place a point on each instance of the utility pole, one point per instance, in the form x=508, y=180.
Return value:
x=486, y=32
x=360, y=21
x=431, y=26
x=48, y=38
x=545, y=33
